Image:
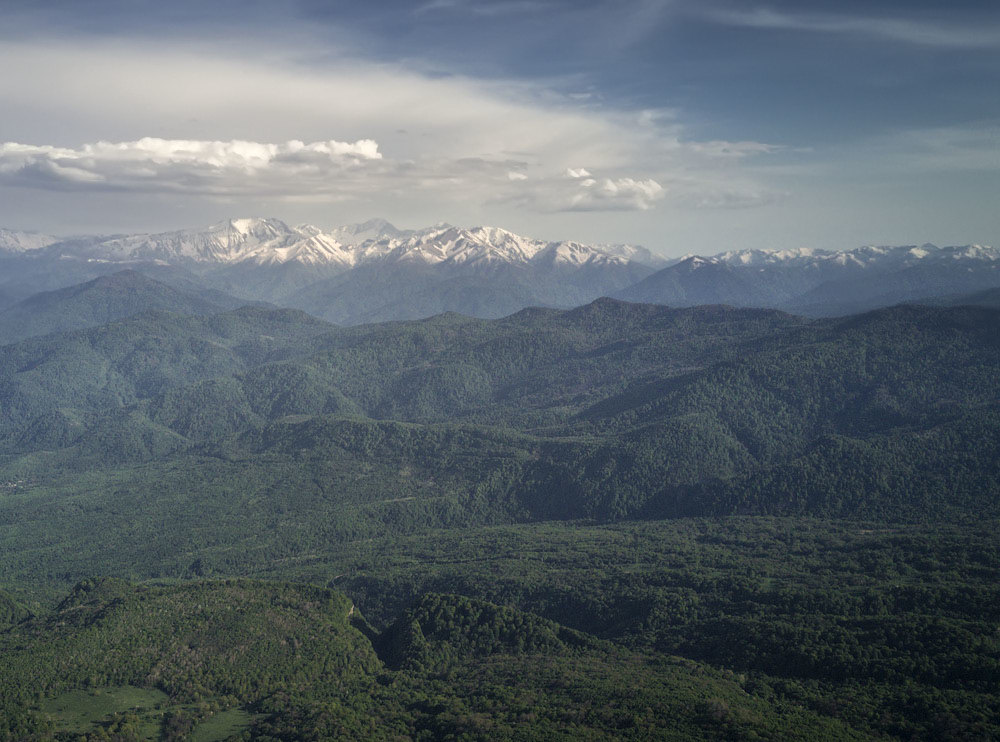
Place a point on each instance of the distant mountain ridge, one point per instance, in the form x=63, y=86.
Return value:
x=269, y=241
x=12, y=241
x=374, y=271
x=349, y=275
x=105, y=299
x=822, y=282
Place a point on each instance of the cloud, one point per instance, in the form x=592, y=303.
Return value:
x=333, y=170
x=162, y=165
x=565, y=193
x=943, y=34
x=621, y=194
x=232, y=124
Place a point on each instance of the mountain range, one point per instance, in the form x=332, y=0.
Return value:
x=373, y=271
x=822, y=282
x=721, y=522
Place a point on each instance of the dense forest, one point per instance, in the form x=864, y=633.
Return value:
x=616, y=521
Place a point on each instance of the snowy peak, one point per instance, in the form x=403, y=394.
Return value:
x=574, y=254
x=255, y=229
x=12, y=241
x=270, y=242
x=694, y=262
x=373, y=229
x=634, y=254
x=223, y=242
x=318, y=249
x=490, y=247
x=860, y=257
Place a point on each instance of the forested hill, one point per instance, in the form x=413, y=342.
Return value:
x=125, y=441
x=127, y=662
x=105, y=299
x=527, y=509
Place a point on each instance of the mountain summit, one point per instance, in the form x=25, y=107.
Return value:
x=268, y=241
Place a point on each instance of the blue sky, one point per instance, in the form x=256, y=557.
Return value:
x=684, y=126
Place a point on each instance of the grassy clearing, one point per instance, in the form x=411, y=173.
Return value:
x=222, y=726
x=83, y=710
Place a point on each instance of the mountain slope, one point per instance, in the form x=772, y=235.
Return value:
x=97, y=302
x=987, y=298
x=486, y=287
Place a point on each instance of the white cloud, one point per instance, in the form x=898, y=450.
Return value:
x=578, y=192
x=621, y=194
x=231, y=124
x=940, y=34
x=153, y=164
x=333, y=170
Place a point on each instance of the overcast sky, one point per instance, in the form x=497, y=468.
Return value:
x=685, y=126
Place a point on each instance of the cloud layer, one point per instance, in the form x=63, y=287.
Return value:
x=199, y=167
x=241, y=124
x=336, y=170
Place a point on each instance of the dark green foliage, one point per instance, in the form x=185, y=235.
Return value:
x=222, y=640
x=490, y=494
x=156, y=440
x=289, y=654
x=442, y=627
x=848, y=618
x=623, y=410
x=11, y=611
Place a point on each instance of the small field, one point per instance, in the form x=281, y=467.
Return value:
x=85, y=711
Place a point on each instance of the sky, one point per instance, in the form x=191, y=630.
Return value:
x=683, y=126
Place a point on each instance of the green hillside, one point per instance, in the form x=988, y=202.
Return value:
x=240, y=659
x=802, y=511
x=268, y=432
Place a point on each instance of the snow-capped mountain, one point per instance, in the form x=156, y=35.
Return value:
x=373, y=271
x=12, y=241
x=482, y=246
x=482, y=271
x=263, y=241
x=357, y=272
x=272, y=242
x=355, y=234
x=880, y=256
x=822, y=281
